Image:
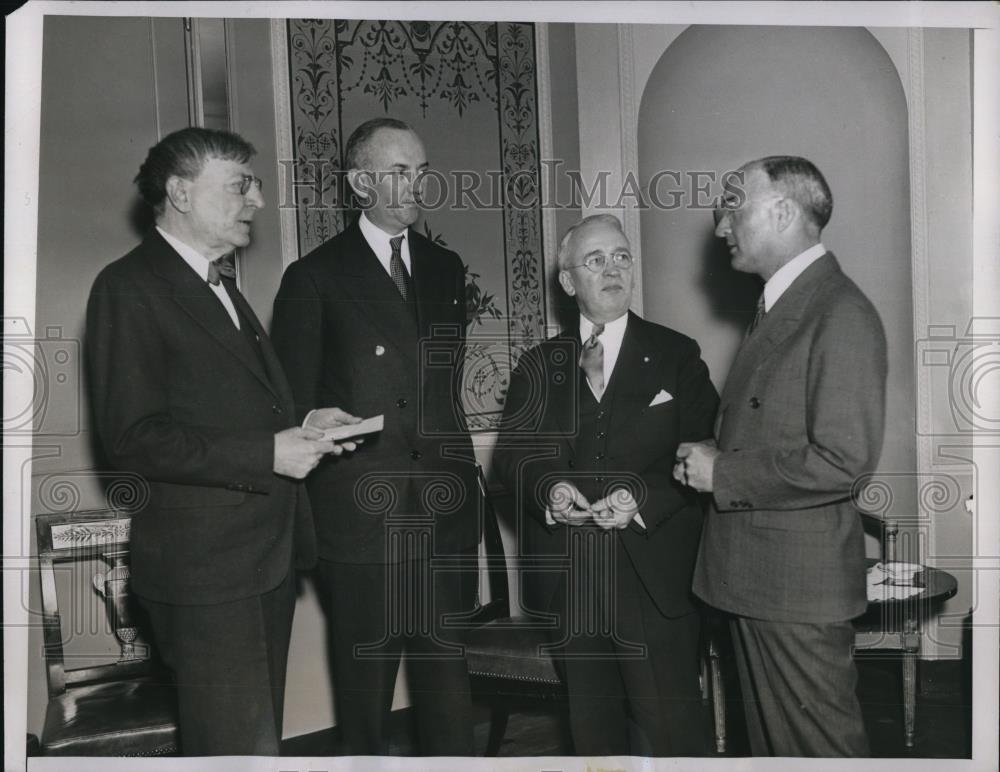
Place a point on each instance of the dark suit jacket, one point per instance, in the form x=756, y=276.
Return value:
x=801, y=418
x=537, y=447
x=180, y=397
x=348, y=341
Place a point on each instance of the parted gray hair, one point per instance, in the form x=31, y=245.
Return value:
x=357, y=149
x=607, y=219
x=798, y=179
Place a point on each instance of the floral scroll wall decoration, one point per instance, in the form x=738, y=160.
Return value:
x=426, y=69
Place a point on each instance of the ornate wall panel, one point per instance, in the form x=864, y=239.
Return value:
x=469, y=90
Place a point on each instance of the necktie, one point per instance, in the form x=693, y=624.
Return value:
x=221, y=267
x=396, y=268
x=592, y=360
x=758, y=315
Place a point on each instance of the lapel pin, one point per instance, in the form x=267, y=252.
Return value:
x=379, y=350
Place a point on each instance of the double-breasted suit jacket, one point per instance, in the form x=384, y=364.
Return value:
x=347, y=339
x=801, y=418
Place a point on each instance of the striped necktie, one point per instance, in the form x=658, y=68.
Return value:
x=592, y=360
x=758, y=315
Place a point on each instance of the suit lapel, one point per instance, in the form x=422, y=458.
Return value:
x=777, y=325
x=196, y=299
x=634, y=380
x=427, y=284
x=377, y=297
x=275, y=374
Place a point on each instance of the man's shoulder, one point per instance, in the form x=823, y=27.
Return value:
x=839, y=293
x=429, y=246
x=660, y=334
x=134, y=266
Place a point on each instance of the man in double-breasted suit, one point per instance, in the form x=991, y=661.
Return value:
x=587, y=440
x=187, y=392
x=801, y=417
x=375, y=318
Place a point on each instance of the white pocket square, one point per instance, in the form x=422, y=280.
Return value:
x=661, y=397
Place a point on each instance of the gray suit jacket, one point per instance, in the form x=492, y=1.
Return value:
x=801, y=417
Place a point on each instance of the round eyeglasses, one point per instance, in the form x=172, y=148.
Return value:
x=246, y=182
x=599, y=261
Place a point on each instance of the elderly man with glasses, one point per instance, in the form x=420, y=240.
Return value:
x=188, y=393
x=592, y=420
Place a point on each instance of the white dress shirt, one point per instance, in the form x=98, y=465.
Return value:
x=378, y=240
x=199, y=264
x=775, y=287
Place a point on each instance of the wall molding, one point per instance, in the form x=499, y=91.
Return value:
x=550, y=239
x=630, y=151
x=916, y=120
x=283, y=141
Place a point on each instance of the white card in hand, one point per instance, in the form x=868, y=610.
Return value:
x=368, y=426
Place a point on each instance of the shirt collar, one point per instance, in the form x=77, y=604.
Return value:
x=194, y=258
x=775, y=287
x=377, y=238
x=614, y=329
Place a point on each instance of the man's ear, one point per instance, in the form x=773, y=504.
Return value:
x=178, y=194
x=786, y=212
x=566, y=283
x=361, y=183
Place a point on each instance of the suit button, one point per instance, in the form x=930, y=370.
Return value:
x=599, y=456
x=416, y=455
x=400, y=403
x=601, y=435
x=275, y=409
x=754, y=403
x=571, y=464
x=600, y=415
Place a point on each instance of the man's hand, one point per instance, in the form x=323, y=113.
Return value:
x=616, y=510
x=567, y=505
x=330, y=418
x=696, y=464
x=298, y=450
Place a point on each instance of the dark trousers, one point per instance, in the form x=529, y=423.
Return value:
x=631, y=673
x=798, y=684
x=228, y=661
x=380, y=611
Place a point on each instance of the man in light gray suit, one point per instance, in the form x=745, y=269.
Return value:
x=801, y=418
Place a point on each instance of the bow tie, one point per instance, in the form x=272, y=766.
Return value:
x=221, y=267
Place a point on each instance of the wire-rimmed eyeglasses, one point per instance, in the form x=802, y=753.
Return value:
x=598, y=261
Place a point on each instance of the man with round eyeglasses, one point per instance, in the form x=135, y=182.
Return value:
x=188, y=393
x=591, y=422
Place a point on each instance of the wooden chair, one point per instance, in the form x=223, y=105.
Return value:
x=122, y=708
x=505, y=655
